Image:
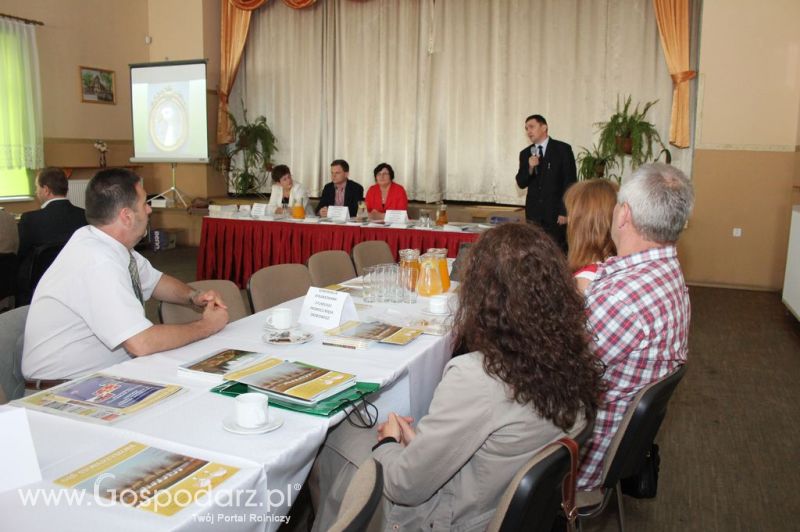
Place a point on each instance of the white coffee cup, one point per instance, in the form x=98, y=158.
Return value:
x=438, y=304
x=252, y=410
x=280, y=318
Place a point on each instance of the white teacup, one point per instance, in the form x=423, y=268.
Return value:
x=438, y=304
x=280, y=318
x=252, y=410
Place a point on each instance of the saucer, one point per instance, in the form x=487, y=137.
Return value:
x=431, y=313
x=287, y=337
x=229, y=424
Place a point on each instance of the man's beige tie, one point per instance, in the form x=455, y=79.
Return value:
x=137, y=284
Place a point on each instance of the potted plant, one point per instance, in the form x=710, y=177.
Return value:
x=594, y=164
x=628, y=132
x=246, y=161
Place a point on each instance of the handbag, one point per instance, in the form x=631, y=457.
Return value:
x=644, y=484
x=568, y=484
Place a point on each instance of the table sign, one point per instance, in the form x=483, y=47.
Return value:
x=327, y=308
x=18, y=460
x=259, y=209
x=244, y=210
x=396, y=217
x=338, y=214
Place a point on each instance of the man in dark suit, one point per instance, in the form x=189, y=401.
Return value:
x=53, y=223
x=56, y=220
x=546, y=169
x=340, y=191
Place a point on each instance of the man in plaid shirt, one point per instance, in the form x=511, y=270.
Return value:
x=638, y=305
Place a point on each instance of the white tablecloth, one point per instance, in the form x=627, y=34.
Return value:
x=273, y=466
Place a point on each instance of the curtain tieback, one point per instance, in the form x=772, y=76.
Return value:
x=223, y=97
x=681, y=77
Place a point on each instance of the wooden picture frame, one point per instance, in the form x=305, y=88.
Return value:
x=97, y=85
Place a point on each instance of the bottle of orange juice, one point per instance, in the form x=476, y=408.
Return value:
x=441, y=260
x=298, y=212
x=441, y=215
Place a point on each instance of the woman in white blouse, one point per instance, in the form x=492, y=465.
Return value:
x=285, y=191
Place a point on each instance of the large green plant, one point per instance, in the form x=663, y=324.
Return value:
x=628, y=132
x=247, y=161
x=593, y=164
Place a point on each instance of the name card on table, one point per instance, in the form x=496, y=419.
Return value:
x=259, y=209
x=244, y=210
x=338, y=214
x=18, y=460
x=327, y=308
x=395, y=217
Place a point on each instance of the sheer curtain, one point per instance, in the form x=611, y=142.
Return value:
x=440, y=90
x=21, y=144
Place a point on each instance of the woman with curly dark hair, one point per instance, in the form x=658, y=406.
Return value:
x=528, y=379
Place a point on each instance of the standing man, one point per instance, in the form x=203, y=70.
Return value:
x=340, y=191
x=87, y=311
x=56, y=220
x=546, y=169
x=638, y=305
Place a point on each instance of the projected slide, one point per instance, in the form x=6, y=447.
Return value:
x=168, y=105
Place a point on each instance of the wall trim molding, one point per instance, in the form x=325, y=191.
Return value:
x=72, y=140
x=748, y=147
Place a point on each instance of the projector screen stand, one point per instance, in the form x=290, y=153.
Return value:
x=176, y=192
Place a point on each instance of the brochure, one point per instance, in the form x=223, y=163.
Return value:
x=212, y=367
x=292, y=381
x=148, y=478
x=99, y=398
x=360, y=335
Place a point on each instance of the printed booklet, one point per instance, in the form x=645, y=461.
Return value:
x=360, y=335
x=99, y=398
x=292, y=381
x=148, y=478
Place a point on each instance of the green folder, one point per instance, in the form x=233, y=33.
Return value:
x=326, y=407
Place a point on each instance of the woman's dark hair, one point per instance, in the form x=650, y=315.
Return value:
x=519, y=307
x=279, y=171
x=380, y=167
x=108, y=192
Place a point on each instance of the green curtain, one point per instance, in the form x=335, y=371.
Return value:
x=21, y=143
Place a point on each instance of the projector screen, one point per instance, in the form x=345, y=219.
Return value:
x=168, y=106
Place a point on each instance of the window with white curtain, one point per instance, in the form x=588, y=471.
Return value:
x=21, y=144
x=440, y=90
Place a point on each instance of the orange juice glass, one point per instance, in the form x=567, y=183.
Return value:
x=298, y=212
x=441, y=259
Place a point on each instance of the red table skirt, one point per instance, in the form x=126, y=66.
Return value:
x=235, y=249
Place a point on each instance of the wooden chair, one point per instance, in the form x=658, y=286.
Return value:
x=629, y=446
x=361, y=498
x=277, y=284
x=330, y=267
x=370, y=253
x=12, y=331
x=172, y=313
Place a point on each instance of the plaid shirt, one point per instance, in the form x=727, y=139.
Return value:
x=638, y=315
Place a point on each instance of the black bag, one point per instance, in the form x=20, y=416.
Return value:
x=644, y=484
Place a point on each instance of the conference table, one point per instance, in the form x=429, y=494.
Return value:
x=272, y=466
x=235, y=248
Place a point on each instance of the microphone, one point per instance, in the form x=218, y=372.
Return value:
x=533, y=151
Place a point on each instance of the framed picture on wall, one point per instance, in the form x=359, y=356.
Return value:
x=97, y=85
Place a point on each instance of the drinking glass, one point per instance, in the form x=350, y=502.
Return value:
x=408, y=284
x=369, y=286
x=424, y=218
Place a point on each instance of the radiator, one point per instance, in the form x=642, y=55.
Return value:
x=77, y=192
